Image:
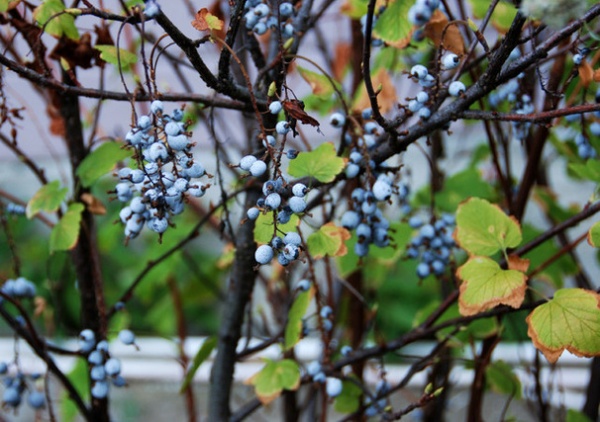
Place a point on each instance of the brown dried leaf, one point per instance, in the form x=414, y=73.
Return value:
x=204, y=21
x=94, y=205
x=439, y=26
x=386, y=97
x=76, y=52
x=343, y=52
x=597, y=75
x=586, y=73
x=517, y=263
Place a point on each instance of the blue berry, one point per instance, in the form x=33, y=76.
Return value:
x=297, y=204
x=127, y=337
x=100, y=390
x=456, y=88
x=258, y=168
x=275, y=107
x=333, y=387
x=263, y=254
x=36, y=399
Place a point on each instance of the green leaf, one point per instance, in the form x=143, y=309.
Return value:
x=349, y=399
x=108, y=53
x=486, y=285
x=100, y=161
x=483, y=228
x=203, y=353
x=570, y=321
x=275, y=377
x=49, y=15
x=321, y=163
x=458, y=188
x=392, y=25
x=594, y=235
x=319, y=83
x=293, y=329
x=47, y=199
x=79, y=378
x=500, y=378
x=590, y=170
x=66, y=232
x=328, y=240
x=576, y=416
x=263, y=230
x=502, y=17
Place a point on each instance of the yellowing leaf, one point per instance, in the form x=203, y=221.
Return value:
x=485, y=285
x=49, y=15
x=47, y=199
x=273, y=378
x=108, y=53
x=322, y=163
x=318, y=82
x=293, y=328
x=65, y=233
x=386, y=97
x=570, y=321
x=441, y=32
x=354, y=8
x=94, y=205
x=328, y=240
x=204, y=20
x=6, y=5
x=483, y=228
x=593, y=237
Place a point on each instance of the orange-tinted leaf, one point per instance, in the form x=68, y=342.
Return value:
x=94, y=205
x=343, y=52
x=597, y=75
x=438, y=28
x=328, y=240
x=204, y=20
x=386, y=97
x=485, y=285
x=517, y=263
x=586, y=73
x=570, y=321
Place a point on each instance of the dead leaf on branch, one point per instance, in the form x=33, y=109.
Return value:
x=439, y=27
x=386, y=93
x=205, y=21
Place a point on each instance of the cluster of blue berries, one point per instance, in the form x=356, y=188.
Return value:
x=14, y=209
x=287, y=249
x=104, y=369
x=19, y=288
x=333, y=386
x=365, y=217
x=426, y=80
x=585, y=150
x=166, y=175
x=274, y=197
x=16, y=385
x=260, y=18
x=432, y=245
